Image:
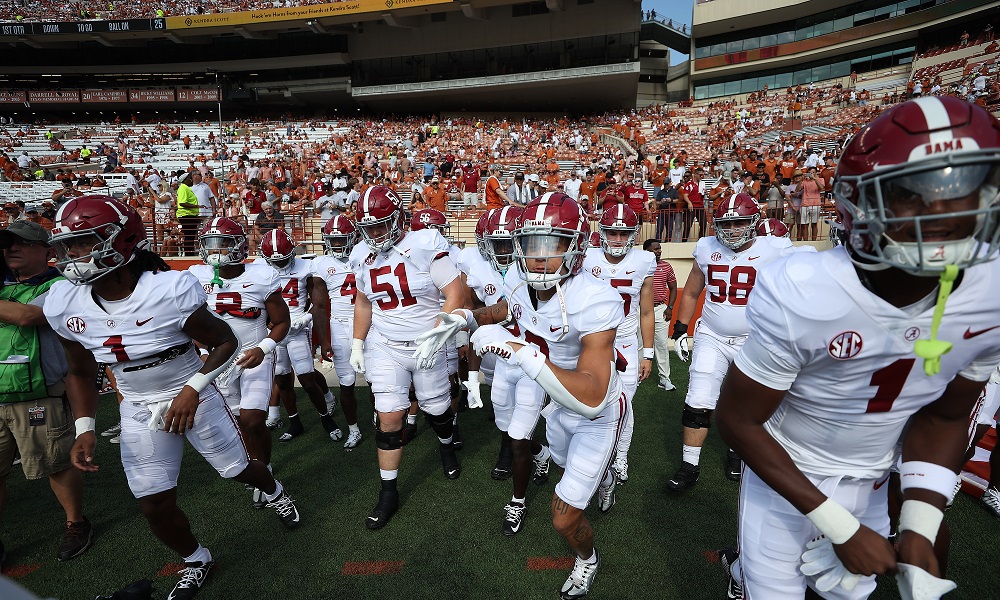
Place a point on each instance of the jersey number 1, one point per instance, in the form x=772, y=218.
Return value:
x=889, y=380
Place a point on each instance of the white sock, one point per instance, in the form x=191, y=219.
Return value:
x=387, y=475
x=543, y=454
x=608, y=479
x=354, y=428
x=328, y=396
x=201, y=555
x=592, y=559
x=447, y=440
x=516, y=500
x=273, y=413
x=691, y=454
x=271, y=470
x=277, y=491
x=411, y=419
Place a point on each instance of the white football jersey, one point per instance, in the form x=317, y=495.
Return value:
x=241, y=300
x=143, y=339
x=340, y=285
x=480, y=276
x=398, y=283
x=846, y=358
x=730, y=277
x=591, y=306
x=627, y=277
x=294, y=285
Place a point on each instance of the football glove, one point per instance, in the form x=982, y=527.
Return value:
x=475, y=395
x=917, y=584
x=300, y=322
x=495, y=338
x=821, y=559
x=158, y=410
x=682, y=346
x=430, y=342
x=357, y=359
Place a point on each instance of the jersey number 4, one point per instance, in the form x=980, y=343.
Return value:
x=386, y=286
x=350, y=287
x=291, y=292
x=737, y=289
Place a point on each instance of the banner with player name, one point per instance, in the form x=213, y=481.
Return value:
x=293, y=13
x=198, y=95
x=116, y=26
x=54, y=97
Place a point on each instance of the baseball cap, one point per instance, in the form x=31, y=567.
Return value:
x=25, y=230
x=435, y=180
x=533, y=177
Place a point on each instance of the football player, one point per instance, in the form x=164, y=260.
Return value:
x=339, y=238
x=300, y=288
x=123, y=306
x=401, y=277
x=247, y=297
x=725, y=268
x=888, y=338
x=630, y=271
x=566, y=321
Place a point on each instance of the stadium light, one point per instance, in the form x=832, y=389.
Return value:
x=218, y=90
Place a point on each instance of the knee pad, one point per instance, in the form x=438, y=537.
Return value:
x=696, y=418
x=442, y=424
x=389, y=440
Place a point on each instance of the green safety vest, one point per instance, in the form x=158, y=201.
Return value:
x=22, y=380
x=85, y=152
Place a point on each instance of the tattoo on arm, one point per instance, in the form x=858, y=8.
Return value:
x=490, y=315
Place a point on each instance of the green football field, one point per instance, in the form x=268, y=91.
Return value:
x=445, y=542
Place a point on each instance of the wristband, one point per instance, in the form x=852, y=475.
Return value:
x=85, y=424
x=198, y=382
x=203, y=351
x=267, y=345
x=647, y=354
x=834, y=521
x=470, y=318
x=921, y=518
x=928, y=476
x=679, y=329
x=461, y=338
x=358, y=345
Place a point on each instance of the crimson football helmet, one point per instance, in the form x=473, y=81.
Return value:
x=595, y=239
x=772, y=227
x=430, y=218
x=917, y=188
x=339, y=236
x=481, y=226
x=500, y=237
x=278, y=250
x=221, y=234
x=94, y=235
x=736, y=221
x=380, y=218
x=618, y=218
x=552, y=226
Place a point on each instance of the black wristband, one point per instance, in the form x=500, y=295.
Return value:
x=679, y=329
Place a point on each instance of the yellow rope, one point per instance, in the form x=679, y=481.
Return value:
x=931, y=350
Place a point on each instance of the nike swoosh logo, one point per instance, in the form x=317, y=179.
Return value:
x=969, y=334
x=879, y=484
x=246, y=285
x=141, y=323
x=626, y=346
x=554, y=329
x=753, y=258
x=629, y=272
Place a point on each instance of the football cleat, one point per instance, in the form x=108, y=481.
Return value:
x=684, y=478
x=580, y=578
x=728, y=556
x=331, y=404
x=388, y=504
x=294, y=430
x=514, y=518
x=991, y=501
x=606, y=495
x=734, y=466
x=449, y=461
x=192, y=578
x=115, y=439
x=620, y=467
x=353, y=439
x=275, y=424
x=112, y=431
x=541, y=474
x=666, y=386
x=501, y=470
x=286, y=509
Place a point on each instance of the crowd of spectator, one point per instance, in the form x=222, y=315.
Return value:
x=40, y=10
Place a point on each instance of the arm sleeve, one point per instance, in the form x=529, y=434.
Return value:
x=769, y=355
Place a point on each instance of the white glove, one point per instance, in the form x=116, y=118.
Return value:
x=682, y=346
x=358, y=355
x=430, y=342
x=495, y=338
x=917, y=584
x=158, y=410
x=301, y=322
x=475, y=396
x=820, y=558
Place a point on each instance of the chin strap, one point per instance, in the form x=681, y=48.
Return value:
x=216, y=280
x=931, y=350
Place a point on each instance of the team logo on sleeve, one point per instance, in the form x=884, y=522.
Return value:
x=845, y=345
x=596, y=271
x=490, y=289
x=76, y=324
x=331, y=271
x=370, y=260
x=208, y=287
x=716, y=256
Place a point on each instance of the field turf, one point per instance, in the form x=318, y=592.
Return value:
x=445, y=542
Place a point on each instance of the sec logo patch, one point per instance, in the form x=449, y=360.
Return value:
x=490, y=289
x=716, y=256
x=76, y=324
x=845, y=345
x=331, y=271
x=596, y=271
x=516, y=311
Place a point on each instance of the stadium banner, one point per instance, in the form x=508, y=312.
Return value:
x=103, y=96
x=292, y=13
x=119, y=26
x=13, y=97
x=151, y=95
x=52, y=97
x=198, y=95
